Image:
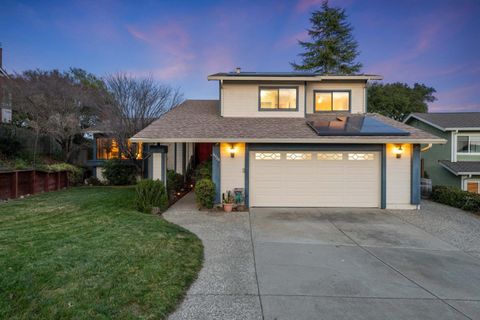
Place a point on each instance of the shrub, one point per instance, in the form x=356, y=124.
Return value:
x=150, y=194
x=75, y=174
x=174, y=181
x=93, y=181
x=203, y=171
x=455, y=197
x=205, y=193
x=119, y=172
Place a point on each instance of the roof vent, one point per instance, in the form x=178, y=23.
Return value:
x=237, y=70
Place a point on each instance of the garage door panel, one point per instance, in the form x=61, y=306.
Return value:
x=326, y=180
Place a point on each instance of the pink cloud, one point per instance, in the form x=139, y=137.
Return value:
x=171, y=44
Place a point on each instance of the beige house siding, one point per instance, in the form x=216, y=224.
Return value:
x=357, y=94
x=241, y=100
x=399, y=178
x=232, y=170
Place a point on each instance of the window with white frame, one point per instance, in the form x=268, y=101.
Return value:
x=361, y=156
x=267, y=156
x=299, y=156
x=329, y=156
x=472, y=186
x=468, y=144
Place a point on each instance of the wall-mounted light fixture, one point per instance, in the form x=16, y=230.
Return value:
x=398, y=150
x=232, y=151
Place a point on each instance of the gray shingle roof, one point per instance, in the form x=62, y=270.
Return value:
x=449, y=121
x=461, y=167
x=200, y=121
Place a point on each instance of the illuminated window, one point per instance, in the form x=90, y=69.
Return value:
x=299, y=156
x=278, y=98
x=361, y=156
x=329, y=156
x=332, y=101
x=267, y=156
x=107, y=148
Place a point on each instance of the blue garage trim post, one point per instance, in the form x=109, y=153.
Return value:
x=319, y=147
x=416, y=174
x=247, y=174
x=216, y=171
x=383, y=195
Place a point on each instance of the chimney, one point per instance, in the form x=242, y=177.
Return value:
x=1, y=65
x=237, y=70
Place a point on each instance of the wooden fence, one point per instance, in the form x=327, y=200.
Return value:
x=14, y=184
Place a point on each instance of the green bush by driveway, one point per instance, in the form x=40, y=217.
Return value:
x=87, y=253
x=456, y=197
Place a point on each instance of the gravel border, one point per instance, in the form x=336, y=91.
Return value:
x=457, y=227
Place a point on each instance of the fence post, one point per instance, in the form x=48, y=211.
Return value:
x=46, y=182
x=57, y=180
x=14, y=185
x=32, y=181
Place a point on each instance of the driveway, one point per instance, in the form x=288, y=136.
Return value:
x=275, y=263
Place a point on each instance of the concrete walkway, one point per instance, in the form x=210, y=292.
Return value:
x=226, y=287
x=275, y=263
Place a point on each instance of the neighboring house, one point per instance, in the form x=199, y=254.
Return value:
x=295, y=140
x=456, y=163
x=5, y=97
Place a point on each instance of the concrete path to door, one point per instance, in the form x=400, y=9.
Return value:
x=278, y=263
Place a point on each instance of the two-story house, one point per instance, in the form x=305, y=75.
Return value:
x=456, y=163
x=294, y=140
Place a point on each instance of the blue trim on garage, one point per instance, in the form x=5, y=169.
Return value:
x=416, y=174
x=383, y=175
x=318, y=147
x=247, y=174
x=216, y=170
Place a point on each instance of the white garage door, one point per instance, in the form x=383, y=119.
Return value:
x=314, y=179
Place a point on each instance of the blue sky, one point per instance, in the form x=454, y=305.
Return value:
x=181, y=42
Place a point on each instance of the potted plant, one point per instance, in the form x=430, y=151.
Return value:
x=228, y=201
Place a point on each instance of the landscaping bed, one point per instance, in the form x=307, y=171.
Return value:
x=87, y=253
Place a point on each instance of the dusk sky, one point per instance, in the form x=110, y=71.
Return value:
x=180, y=42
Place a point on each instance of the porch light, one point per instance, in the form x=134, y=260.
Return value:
x=398, y=150
x=232, y=151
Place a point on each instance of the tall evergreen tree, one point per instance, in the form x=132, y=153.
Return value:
x=333, y=49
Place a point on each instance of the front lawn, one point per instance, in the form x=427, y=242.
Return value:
x=86, y=253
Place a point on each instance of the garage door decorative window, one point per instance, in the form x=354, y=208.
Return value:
x=330, y=156
x=267, y=156
x=361, y=156
x=299, y=156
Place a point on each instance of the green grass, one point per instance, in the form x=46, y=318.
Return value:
x=86, y=253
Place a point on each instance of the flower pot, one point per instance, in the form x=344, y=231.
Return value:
x=227, y=207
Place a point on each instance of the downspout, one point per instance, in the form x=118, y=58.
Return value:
x=426, y=147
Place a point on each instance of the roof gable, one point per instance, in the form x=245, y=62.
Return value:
x=467, y=121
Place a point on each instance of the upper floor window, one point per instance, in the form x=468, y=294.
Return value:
x=275, y=98
x=468, y=144
x=325, y=101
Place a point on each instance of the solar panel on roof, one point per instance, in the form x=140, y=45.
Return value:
x=355, y=126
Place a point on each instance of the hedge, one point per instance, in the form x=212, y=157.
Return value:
x=457, y=198
x=205, y=193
